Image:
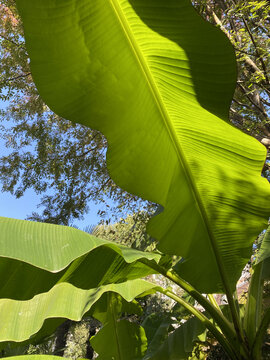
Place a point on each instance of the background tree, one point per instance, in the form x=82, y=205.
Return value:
x=247, y=25
x=65, y=163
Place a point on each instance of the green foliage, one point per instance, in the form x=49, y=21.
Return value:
x=124, y=340
x=63, y=161
x=246, y=23
x=68, y=161
x=159, y=87
x=180, y=343
x=209, y=206
x=130, y=231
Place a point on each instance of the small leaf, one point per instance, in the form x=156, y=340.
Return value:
x=264, y=255
x=180, y=343
x=121, y=340
x=157, y=327
x=100, y=309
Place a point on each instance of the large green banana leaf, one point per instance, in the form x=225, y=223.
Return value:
x=70, y=268
x=36, y=256
x=157, y=81
x=21, y=319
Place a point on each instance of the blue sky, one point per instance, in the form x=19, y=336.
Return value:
x=20, y=208
x=24, y=206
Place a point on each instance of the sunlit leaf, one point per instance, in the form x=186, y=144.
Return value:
x=157, y=81
x=21, y=319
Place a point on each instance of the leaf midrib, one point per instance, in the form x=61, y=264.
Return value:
x=171, y=132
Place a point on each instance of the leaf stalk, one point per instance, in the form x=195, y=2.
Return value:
x=208, y=324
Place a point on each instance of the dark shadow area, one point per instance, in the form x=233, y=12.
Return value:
x=211, y=56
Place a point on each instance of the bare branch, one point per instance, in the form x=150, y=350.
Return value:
x=18, y=77
x=11, y=41
x=247, y=59
x=240, y=121
x=256, y=49
x=265, y=102
x=241, y=104
x=253, y=98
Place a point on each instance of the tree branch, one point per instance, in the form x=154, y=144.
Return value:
x=240, y=120
x=11, y=41
x=265, y=102
x=256, y=49
x=18, y=77
x=247, y=59
x=255, y=100
x=242, y=104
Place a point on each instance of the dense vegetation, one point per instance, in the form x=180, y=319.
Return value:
x=220, y=177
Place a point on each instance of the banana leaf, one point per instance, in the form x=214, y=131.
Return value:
x=22, y=319
x=35, y=256
x=124, y=341
x=157, y=80
x=261, y=271
x=179, y=344
x=51, y=272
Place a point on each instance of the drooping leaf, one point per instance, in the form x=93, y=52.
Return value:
x=156, y=328
x=35, y=256
x=180, y=343
x=260, y=272
x=121, y=340
x=21, y=319
x=100, y=309
x=57, y=246
x=157, y=81
x=264, y=255
x=124, y=340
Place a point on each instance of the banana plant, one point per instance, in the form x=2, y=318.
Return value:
x=157, y=81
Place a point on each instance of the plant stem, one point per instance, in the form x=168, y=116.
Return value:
x=235, y=335
x=217, y=315
x=253, y=308
x=213, y=301
x=257, y=344
x=208, y=324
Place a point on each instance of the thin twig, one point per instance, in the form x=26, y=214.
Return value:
x=18, y=77
x=256, y=49
x=242, y=104
x=250, y=98
x=11, y=41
